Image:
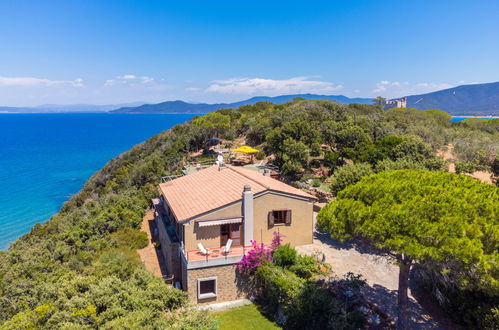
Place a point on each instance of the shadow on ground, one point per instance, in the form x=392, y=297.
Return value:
x=424, y=311
x=159, y=254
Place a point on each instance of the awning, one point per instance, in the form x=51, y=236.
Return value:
x=207, y=223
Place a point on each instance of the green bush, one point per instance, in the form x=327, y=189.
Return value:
x=331, y=159
x=285, y=256
x=305, y=266
x=466, y=167
x=316, y=183
x=130, y=238
x=348, y=175
x=305, y=304
x=280, y=287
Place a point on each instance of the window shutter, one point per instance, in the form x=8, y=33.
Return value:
x=288, y=217
x=271, y=219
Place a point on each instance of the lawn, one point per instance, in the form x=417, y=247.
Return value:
x=245, y=317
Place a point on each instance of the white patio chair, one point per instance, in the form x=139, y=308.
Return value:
x=226, y=248
x=203, y=250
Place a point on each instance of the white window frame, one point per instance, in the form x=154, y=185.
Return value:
x=210, y=294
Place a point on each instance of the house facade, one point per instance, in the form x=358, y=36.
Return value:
x=206, y=222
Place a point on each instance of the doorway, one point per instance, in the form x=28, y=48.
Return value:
x=230, y=231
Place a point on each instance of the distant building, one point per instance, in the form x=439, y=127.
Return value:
x=397, y=103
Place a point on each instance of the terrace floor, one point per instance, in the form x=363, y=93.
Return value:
x=216, y=253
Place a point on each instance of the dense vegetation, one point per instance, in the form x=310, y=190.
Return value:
x=293, y=294
x=448, y=224
x=80, y=269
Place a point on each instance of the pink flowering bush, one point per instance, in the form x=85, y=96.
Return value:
x=276, y=241
x=258, y=255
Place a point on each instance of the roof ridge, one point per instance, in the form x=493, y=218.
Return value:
x=248, y=177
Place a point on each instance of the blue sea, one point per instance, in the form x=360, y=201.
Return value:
x=456, y=119
x=46, y=158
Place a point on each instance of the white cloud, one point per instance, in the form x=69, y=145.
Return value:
x=193, y=89
x=272, y=87
x=392, y=89
x=37, y=82
x=129, y=79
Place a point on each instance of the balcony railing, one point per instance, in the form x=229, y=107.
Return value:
x=216, y=256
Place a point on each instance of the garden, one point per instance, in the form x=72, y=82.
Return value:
x=298, y=291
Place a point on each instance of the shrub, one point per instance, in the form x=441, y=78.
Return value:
x=305, y=266
x=285, y=256
x=258, y=255
x=331, y=159
x=260, y=155
x=465, y=167
x=280, y=287
x=316, y=183
x=305, y=305
x=130, y=238
x=254, y=258
x=348, y=175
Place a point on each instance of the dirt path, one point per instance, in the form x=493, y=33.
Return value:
x=449, y=155
x=382, y=279
x=149, y=255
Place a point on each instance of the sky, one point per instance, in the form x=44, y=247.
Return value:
x=110, y=52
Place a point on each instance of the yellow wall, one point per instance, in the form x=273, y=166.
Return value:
x=209, y=236
x=298, y=233
x=301, y=228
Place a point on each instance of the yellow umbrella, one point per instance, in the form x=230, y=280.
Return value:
x=246, y=150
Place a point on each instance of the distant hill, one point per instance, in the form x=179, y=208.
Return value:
x=476, y=99
x=62, y=108
x=184, y=107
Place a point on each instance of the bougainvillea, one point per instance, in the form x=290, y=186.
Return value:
x=258, y=254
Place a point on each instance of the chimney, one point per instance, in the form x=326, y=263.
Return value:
x=220, y=161
x=248, y=215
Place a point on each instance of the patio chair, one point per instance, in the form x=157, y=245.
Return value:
x=203, y=250
x=226, y=248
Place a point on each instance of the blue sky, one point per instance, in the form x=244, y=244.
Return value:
x=104, y=52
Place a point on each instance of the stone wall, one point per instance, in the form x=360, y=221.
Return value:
x=230, y=285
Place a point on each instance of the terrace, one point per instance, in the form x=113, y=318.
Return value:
x=216, y=257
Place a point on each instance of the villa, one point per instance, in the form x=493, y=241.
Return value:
x=206, y=221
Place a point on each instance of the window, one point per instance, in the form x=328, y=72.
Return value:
x=279, y=217
x=207, y=287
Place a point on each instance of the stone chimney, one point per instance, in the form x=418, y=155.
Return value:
x=248, y=215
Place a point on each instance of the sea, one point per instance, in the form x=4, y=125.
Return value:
x=456, y=119
x=46, y=158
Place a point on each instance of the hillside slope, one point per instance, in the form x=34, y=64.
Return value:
x=477, y=99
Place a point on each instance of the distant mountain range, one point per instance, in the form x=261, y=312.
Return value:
x=55, y=108
x=476, y=99
x=465, y=100
x=184, y=107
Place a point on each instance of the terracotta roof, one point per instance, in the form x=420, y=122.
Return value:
x=211, y=188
